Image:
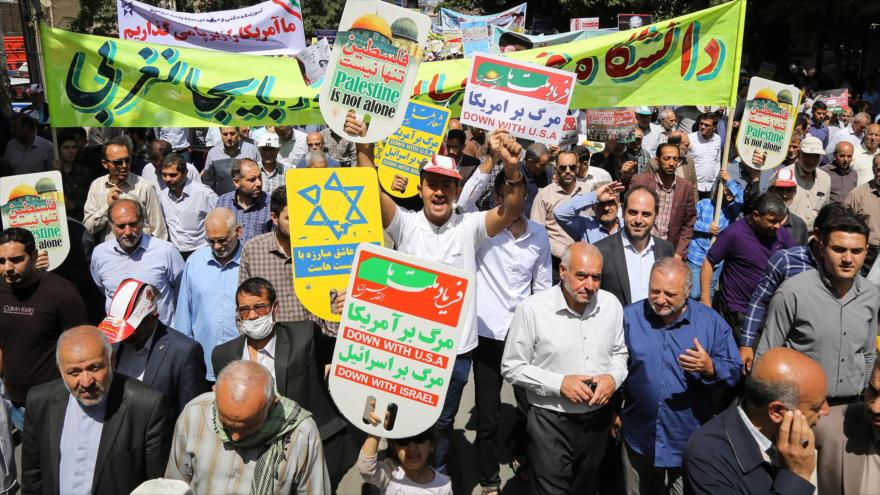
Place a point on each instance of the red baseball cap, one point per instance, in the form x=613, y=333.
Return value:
x=443, y=165
x=132, y=302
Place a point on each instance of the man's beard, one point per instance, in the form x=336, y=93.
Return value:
x=100, y=388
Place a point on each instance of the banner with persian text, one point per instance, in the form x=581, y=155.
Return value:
x=274, y=27
x=689, y=60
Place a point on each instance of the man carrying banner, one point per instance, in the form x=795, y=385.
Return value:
x=441, y=234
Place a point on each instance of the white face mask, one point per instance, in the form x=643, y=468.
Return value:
x=257, y=329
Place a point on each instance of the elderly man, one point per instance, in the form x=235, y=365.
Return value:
x=705, y=149
x=92, y=431
x=27, y=152
x=315, y=159
x=853, y=133
x=218, y=164
x=843, y=177
x=119, y=183
x=784, y=184
x=206, y=299
x=248, y=200
x=865, y=202
x=340, y=148
x=680, y=353
x=185, y=205
x=676, y=211
x=763, y=443
x=813, y=185
x=137, y=255
x=605, y=220
x=271, y=172
x=245, y=438
x=831, y=313
x=291, y=352
x=315, y=142
x=848, y=441
x=566, y=348
x=863, y=156
x=149, y=351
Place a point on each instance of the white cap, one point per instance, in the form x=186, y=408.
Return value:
x=164, y=487
x=268, y=140
x=811, y=145
x=132, y=302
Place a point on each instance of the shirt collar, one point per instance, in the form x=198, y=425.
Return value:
x=236, y=258
x=560, y=304
x=764, y=443
x=144, y=244
x=269, y=349
x=128, y=180
x=629, y=245
x=187, y=188
x=660, y=184
x=684, y=317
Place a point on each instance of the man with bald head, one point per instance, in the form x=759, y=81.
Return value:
x=669, y=394
x=93, y=430
x=315, y=142
x=566, y=348
x=843, y=176
x=853, y=132
x=136, y=254
x=206, y=300
x=764, y=443
x=863, y=156
x=245, y=438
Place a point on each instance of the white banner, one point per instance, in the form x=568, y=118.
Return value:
x=269, y=28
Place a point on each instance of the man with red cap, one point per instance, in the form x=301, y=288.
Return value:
x=147, y=350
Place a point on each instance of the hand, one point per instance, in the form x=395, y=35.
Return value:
x=697, y=360
x=747, y=354
x=399, y=183
x=713, y=228
x=113, y=194
x=615, y=427
x=609, y=192
x=677, y=256
x=575, y=388
x=353, y=126
x=604, y=388
x=42, y=260
x=554, y=151
x=724, y=174
x=339, y=302
x=796, y=444
x=496, y=142
x=628, y=167
x=510, y=151
x=758, y=159
x=374, y=419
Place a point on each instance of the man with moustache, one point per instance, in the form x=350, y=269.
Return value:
x=92, y=431
x=679, y=352
x=248, y=200
x=863, y=156
x=813, y=185
x=218, y=164
x=843, y=177
x=605, y=220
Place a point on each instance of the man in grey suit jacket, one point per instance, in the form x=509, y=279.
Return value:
x=114, y=432
x=848, y=441
x=629, y=255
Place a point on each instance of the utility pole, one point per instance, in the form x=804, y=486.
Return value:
x=30, y=14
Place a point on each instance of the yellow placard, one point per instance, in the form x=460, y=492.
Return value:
x=332, y=210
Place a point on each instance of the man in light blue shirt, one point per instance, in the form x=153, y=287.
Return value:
x=606, y=218
x=206, y=302
x=134, y=254
x=185, y=205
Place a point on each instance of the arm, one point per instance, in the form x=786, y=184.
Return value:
x=770, y=281
x=365, y=159
x=155, y=217
x=542, y=272
x=95, y=210
x=568, y=214
x=209, y=174
x=539, y=210
x=780, y=317
x=725, y=358
x=182, y=313
x=706, y=272
x=180, y=462
x=191, y=380
x=308, y=452
x=504, y=147
x=475, y=186
x=516, y=365
x=31, y=468
x=703, y=220
x=619, y=368
x=686, y=233
x=157, y=442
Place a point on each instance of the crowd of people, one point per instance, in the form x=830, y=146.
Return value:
x=654, y=343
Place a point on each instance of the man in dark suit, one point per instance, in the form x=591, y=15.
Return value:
x=676, y=212
x=295, y=353
x=160, y=357
x=629, y=255
x=93, y=431
x=765, y=442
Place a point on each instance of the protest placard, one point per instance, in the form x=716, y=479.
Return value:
x=503, y=39
x=398, y=339
x=569, y=134
x=327, y=34
x=513, y=18
x=837, y=100
x=474, y=37
x=767, y=123
x=331, y=211
x=274, y=27
x=611, y=124
x=583, y=23
x=633, y=21
x=36, y=202
x=315, y=59
x=418, y=139
x=528, y=100
x=373, y=67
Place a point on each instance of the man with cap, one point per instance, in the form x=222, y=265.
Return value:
x=813, y=185
x=784, y=184
x=148, y=350
x=271, y=172
x=440, y=233
x=652, y=134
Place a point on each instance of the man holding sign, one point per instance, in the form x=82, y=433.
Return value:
x=439, y=233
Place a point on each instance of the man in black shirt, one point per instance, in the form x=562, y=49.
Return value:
x=35, y=307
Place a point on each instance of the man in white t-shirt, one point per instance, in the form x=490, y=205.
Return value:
x=439, y=233
x=705, y=149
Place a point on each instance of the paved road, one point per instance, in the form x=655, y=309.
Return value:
x=463, y=454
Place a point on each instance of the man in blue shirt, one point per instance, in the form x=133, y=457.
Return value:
x=206, y=302
x=680, y=353
x=818, y=127
x=606, y=218
x=248, y=200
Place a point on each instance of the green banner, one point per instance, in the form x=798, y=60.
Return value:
x=95, y=81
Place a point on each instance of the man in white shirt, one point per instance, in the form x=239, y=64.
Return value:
x=705, y=149
x=863, y=155
x=292, y=146
x=185, y=204
x=652, y=134
x=441, y=234
x=157, y=150
x=566, y=347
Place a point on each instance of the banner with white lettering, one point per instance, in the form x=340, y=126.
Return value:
x=274, y=27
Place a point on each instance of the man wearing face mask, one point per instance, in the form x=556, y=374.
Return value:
x=294, y=353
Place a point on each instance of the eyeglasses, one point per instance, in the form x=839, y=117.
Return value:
x=120, y=161
x=563, y=168
x=260, y=309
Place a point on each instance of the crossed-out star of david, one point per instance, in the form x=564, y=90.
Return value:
x=318, y=217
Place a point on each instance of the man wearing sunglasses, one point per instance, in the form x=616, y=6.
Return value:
x=121, y=183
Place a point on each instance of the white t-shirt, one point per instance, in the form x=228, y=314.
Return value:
x=707, y=159
x=455, y=243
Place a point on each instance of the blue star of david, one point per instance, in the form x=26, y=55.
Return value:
x=318, y=217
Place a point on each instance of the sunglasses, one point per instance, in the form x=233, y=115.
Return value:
x=120, y=161
x=420, y=438
x=563, y=168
